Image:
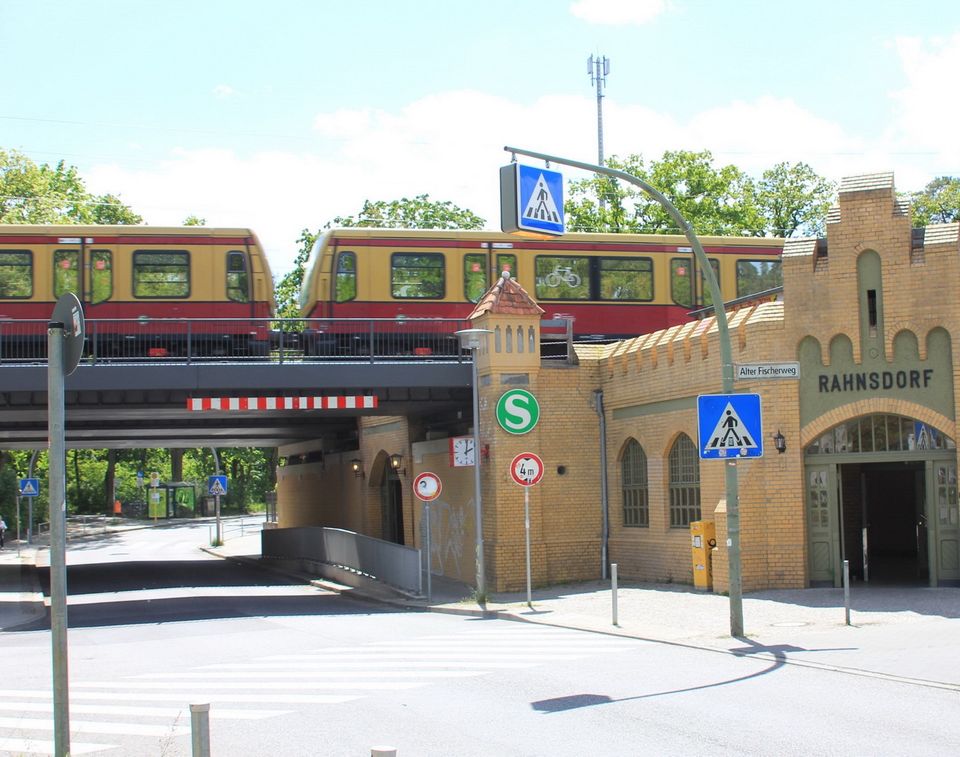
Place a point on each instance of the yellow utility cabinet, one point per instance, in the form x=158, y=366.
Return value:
x=703, y=537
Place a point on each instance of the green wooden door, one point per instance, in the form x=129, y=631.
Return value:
x=946, y=528
x=822, y=524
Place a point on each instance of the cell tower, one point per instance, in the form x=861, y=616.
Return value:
x=598, y=68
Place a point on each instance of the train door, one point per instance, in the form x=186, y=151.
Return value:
x=85, y=267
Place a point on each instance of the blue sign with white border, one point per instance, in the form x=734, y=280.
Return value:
x=29, y=487
x=729, y=425
x=531, y=199
x=216, y=486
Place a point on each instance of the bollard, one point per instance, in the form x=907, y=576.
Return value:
x=200, y=729
x=613, y=587
x=846, y=589
x=383, y=751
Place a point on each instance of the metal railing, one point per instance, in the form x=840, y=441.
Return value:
x=198, y=340
x=389, y=563
x=111, y=340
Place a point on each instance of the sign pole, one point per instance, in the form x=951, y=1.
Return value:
x=526, y=525
x=726, y=363
x=58, y=562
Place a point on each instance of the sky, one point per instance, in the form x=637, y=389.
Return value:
x=282, y=115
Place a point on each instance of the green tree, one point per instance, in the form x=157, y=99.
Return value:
x=938, y=202
x=31, y=193
x=287, y=290
x=418, y=213
x=715, y=200
x=193, y=220
x=723, y=200
x=794, y=200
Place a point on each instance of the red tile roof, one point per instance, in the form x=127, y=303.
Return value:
x=506, y=297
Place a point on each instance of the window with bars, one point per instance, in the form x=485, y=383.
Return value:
x=633, y=467
x=684, y=483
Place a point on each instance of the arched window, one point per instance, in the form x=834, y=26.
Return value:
x=684, y=483
x=633, y=467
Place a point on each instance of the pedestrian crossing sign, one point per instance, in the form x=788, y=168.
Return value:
x=29, y=487
x=531, y=200
x=730, y=425
x=216, y=486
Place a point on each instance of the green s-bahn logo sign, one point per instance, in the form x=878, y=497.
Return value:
x=517, y=411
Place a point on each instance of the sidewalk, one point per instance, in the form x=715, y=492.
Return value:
x=900, y=633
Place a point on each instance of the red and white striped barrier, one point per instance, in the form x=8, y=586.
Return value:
x=353, y=402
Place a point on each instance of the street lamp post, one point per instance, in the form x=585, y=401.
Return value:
x=473, y=340
x=726, y=365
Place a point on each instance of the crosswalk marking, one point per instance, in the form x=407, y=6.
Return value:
x=217, y=713
x=284, y=685
x=247, y=690
x=327, y=664
x=96, y=726
x=257, y=674
x=38, y=746
x=207, y=696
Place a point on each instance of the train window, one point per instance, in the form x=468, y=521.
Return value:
x=417, y=276
x=238, y=282
x=66, y=272
x=626, y=278
x=562, y=278
x=757, y=276
x=507, y=263
x=161, y=274
x=346, y=281
x=680, y=281
x=101, y=276
x=16, y=274
x=474, y=276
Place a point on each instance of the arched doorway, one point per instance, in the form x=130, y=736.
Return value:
x=391, y=506
x=881, y=493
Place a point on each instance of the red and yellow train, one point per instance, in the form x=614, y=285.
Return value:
x=152, y=290
x=611, y=285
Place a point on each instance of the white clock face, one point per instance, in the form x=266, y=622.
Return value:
x=463, y=451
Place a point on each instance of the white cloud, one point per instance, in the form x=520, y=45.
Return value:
x=223, y=91
x=926, y=109
x=618, y=12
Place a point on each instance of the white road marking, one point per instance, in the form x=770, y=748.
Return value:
x=216, y=713
x=39, y=746
x=95, y=726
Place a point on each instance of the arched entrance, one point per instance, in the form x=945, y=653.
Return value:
x=881, y=492
x=391, y=506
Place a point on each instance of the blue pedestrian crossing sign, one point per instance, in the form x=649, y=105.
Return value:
x=216, y=486
x=29, y=487
x=730, y=425
x=531, y=200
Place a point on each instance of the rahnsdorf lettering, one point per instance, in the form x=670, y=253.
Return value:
x=858, y=382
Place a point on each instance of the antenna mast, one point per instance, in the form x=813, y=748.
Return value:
x=599, y=67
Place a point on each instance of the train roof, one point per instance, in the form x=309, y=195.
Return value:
x=464, y=235
x=139, y=230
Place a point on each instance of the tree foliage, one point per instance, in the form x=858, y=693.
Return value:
x=787, y=200
x=938, y=202
x=31, y=193
x=287, y=290
x=418, y=213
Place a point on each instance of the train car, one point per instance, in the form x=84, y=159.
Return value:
x=147, y=291
x=612, y=286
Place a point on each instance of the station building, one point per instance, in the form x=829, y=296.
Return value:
x=858, y=389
